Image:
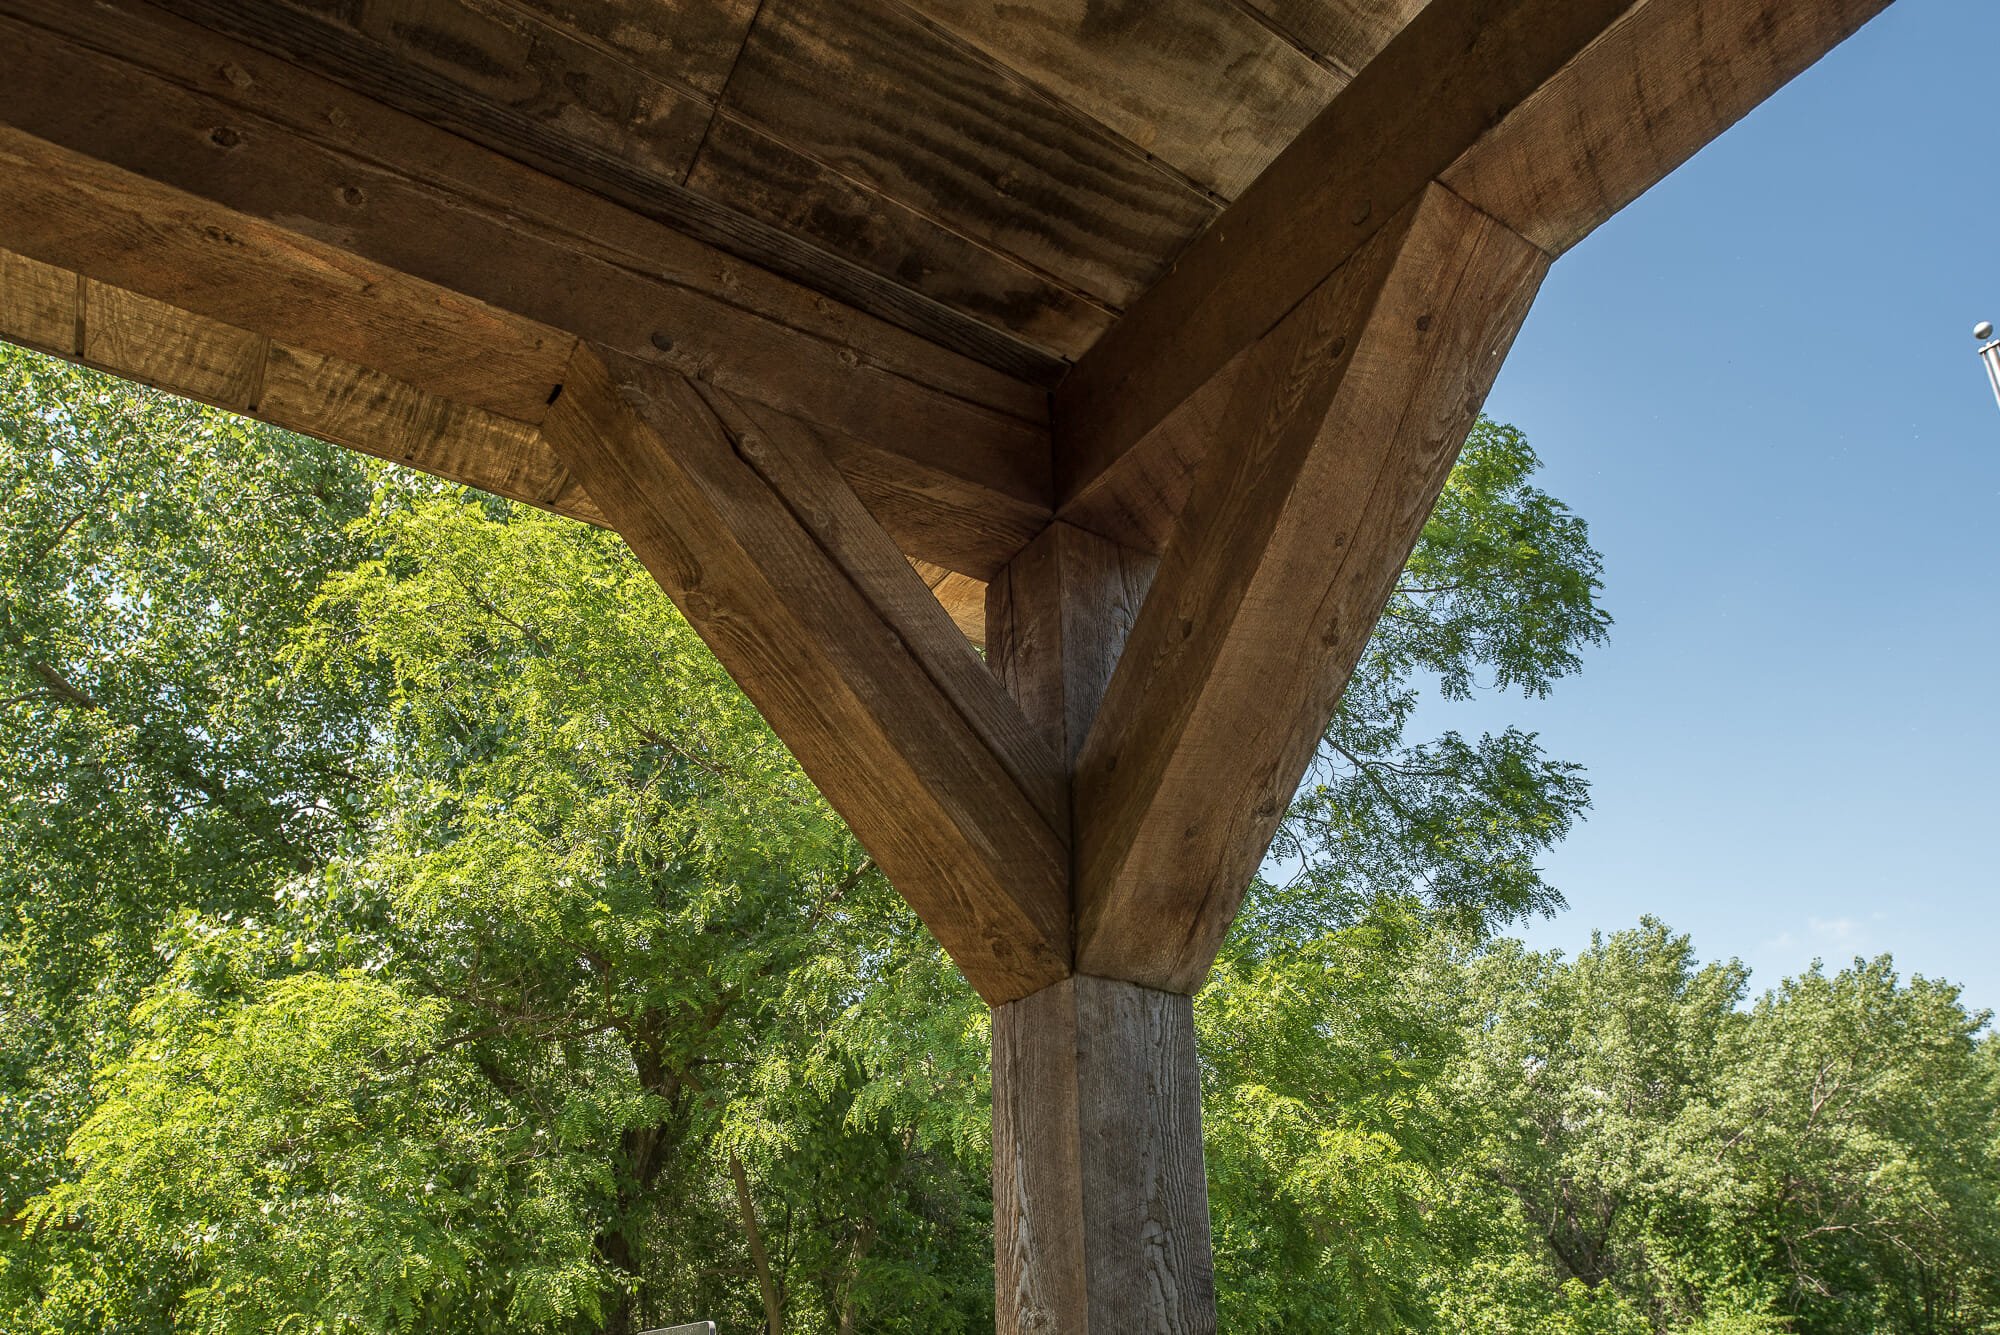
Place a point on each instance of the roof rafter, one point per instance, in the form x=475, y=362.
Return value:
x=174, y=163
x=1549, y=114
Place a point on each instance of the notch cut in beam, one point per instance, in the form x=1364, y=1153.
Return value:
x=836, y=640
x=1550, y=115
x=160, y=158
x=1341, y=430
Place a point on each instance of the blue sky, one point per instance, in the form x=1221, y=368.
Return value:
x=1759, y=386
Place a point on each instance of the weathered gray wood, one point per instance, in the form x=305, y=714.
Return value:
x=1100, y=1201
x=1343, y=425
x=854, y=691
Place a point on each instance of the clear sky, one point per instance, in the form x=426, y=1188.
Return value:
x=1759, y=386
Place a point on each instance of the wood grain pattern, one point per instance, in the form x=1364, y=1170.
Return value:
x=1458, y=68
x=962, y=597
x=693, y=42
x=1341, y=431
x=854, y=699
x=38, y=306
x=154, y=344
x=81, y=214
x=794, y=465
x=961, y=143
x=748, y=170
x=125, y=334
x=1549, y=114
x=1631, y=108
x=1056, y=620
x=1347, y=34
x=334, y=43
x=473, y=228
x=1100, y=1202
x=1200, y=85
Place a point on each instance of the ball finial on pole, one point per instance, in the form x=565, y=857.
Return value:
x=1983, y=330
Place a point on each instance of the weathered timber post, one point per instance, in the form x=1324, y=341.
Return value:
x=1100, y=1204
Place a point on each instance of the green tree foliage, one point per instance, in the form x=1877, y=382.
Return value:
x=409, y=927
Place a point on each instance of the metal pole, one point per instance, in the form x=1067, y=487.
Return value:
x=1989, y=353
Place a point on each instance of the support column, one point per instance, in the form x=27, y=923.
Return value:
x=1100, y=1202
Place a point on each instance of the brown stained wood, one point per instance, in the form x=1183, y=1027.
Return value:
x=599, y=165
x=1550, y=114
x=1456, y=70
x=81, y=214
x=1639, y=103
x=962, y=597
x=370, y=412
x=1345, y=33
x=38, y=306
x=1199, y=84
x=853, y=699
x=1056, y=619
x=864, y=88
x=794, y=465
x=1100, y=1202
x=749, y=170
x=693, y=42
x=484, y=66
x=229, y=80
x=954, y=461
x=154, y=344
x=1342, y=429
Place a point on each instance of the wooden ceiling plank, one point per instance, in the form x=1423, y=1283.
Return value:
x=181, y=234
x=1198, y=84
x=482, y=62
x=962, y=597
x=234, y=79
x=1345, y=33
x=876, y=95
x=746, y=169
x=1551, y=113
x=690, y=41
x=852, y=697
x=1344, y=424
x=601, y=164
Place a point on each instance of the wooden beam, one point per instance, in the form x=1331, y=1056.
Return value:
x=1549, y=114
x=1100, y=1203
x=67, y=315
x=1056, y=620
x=747, y=525
x=1344, y=423
x=167, y=161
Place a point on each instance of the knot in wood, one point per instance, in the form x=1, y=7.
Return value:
x=751, y=446
x=1423, y=324
x=850, y=358
x=634, y=397
x=237, y=76
x=353, y=196
x=224, y=137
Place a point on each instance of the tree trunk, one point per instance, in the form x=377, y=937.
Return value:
x=767, y=1284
